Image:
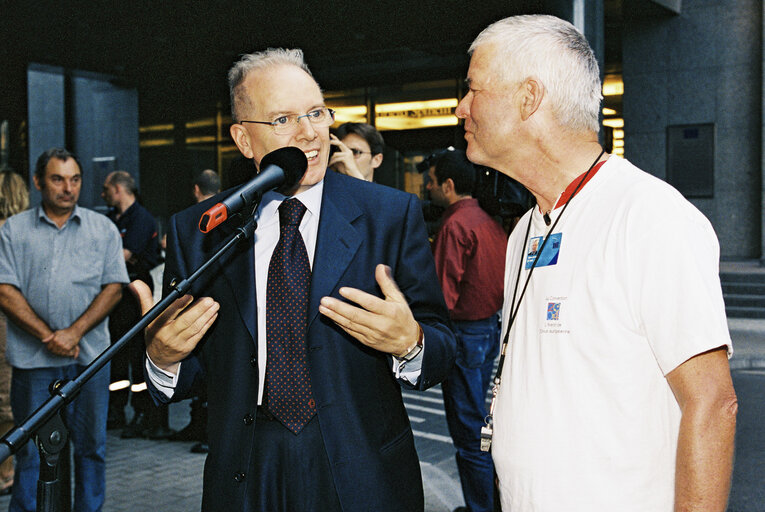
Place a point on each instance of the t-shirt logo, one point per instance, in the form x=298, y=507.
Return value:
x=553, y=311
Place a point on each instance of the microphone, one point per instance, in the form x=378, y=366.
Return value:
x=281, y=169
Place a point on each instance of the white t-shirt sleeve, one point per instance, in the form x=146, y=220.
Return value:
x=679, y=297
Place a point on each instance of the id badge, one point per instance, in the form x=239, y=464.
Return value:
x=549, y=254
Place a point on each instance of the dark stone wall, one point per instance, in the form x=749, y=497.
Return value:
x=703, y=65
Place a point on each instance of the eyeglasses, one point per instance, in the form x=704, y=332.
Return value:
x=290, y=123
x=357, y=152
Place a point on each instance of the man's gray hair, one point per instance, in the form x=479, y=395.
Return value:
x=554, y=52
x=255, y=62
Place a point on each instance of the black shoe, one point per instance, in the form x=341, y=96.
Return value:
x=135, y=428
x=200, y=448
x=115, y=419
x=158, y=433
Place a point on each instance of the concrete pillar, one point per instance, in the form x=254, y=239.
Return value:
x=762, y=153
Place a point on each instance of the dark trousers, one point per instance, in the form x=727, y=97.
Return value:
x=86, y=419
x=290, y=472
x=465, y=405
x=127, y=364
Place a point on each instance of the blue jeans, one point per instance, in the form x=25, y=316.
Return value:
x=85, y=418
x=465, y=404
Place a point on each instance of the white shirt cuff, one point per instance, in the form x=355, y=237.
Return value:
x=162, y=380
x=409, y=371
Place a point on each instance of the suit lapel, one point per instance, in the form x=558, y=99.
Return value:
x=337, y=242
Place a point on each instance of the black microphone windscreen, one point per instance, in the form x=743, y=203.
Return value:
x=292, y=161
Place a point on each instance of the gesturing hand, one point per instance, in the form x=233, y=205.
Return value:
x=174, y=333
x=383, y=324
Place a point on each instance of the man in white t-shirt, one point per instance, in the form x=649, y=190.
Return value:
x=616, y=392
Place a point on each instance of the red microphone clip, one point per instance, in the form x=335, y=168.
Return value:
x=213, y=217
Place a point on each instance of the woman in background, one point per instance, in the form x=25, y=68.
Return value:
x=14, y=198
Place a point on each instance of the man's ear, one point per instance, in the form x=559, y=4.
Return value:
x=242, y=139
x=448, y=186
x=377, y=160
x=37, y=182
x=532, y=91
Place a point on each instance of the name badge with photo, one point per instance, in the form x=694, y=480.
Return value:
x=550, y=253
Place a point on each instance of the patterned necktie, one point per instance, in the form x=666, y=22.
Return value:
x=288, y=382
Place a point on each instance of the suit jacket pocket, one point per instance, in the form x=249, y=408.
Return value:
x=397, y=444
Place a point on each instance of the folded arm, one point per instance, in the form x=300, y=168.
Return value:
x=62, y=342
x=18, y=310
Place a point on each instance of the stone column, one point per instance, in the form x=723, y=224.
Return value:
x=762, y=153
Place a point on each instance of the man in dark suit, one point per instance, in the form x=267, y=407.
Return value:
x=375, y=319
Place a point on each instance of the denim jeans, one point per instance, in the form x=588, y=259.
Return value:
x=85, y=417
x=465, y=404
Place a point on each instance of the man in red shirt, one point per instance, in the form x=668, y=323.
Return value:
x=469, y=250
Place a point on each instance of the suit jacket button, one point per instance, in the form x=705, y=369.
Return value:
x=254, y=361
x=239, y=477
x=248, y=419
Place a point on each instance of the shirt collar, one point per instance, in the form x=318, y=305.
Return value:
x=42, y=216
x=567, y=194
x=129, y=210
x=462, y=203
x=268, y=211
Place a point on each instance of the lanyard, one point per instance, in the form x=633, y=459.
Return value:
x=487, y=429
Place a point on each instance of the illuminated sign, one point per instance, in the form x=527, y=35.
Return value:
x=402, y=116
x=350, y=114
x=416, y=114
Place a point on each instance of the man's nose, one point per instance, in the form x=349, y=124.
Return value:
x=305, y=128
x=463, y=107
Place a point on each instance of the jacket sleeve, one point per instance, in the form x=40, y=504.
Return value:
x=415, y=275
x=191, y=371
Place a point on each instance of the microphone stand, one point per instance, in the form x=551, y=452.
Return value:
x=46, y=425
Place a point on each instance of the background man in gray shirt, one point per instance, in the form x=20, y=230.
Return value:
x=61, y=272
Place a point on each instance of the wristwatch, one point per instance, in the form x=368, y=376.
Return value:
x=415, y=350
